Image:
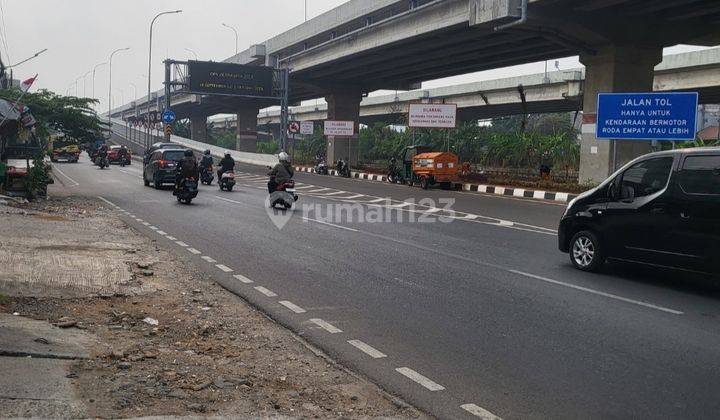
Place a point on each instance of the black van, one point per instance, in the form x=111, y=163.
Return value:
x=661, y=209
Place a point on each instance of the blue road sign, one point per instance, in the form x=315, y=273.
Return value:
x=168, y=116
x=647, y=116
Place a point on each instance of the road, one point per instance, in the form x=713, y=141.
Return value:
x=470, y=314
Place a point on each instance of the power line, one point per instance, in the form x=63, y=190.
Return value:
x=4, y=31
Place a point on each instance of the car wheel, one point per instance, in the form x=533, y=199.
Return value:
x=156, y=183
x=146, y=182
x=586, y=251
x=424, y=184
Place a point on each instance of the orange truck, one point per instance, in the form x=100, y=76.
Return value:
x=436, y=168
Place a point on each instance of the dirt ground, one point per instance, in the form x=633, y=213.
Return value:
x=170, y=341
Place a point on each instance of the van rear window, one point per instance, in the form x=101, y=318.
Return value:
x=176, y=155
x=701, y=175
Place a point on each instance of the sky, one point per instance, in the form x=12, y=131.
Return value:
x=79, y=34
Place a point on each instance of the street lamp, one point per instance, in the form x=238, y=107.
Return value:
x=84, y=84
x=149, y=75
x=93, y=77
x=236, y=36
x=193, y=53
x=27, y=59
x=110, y=79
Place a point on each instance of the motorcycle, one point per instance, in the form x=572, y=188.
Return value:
x=321, y=168
x=227, y=181
x=187, y=190
x=343, y=169
x=284, y=195
x=393, y=175
x=206, y=175
x=102, y=162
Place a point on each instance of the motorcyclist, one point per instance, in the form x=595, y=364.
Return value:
x=123, y=154
x=102, y=153
x=207, y=161
x=282, y=172
x=227, y=164
x=186, y=168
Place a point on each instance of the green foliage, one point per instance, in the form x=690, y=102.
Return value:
x=268, y=147
x=224, y=139
x=37, y=177
x=72, y=116
x=182, y=128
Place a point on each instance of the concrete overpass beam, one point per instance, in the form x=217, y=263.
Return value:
x=247, y=129
x=344, y=106
x=198, y=128
x=613, y=69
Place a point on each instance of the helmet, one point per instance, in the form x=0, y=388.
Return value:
x=284, y=157
x=207, y=152
x=188, y=153
x=227, y=154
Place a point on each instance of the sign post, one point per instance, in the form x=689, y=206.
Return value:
x=653, y=116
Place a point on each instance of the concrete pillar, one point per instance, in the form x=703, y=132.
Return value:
x=198, y=128
x=344, y=106
x=613, y=69
x=247, y=130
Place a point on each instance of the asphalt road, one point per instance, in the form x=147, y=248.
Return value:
x=478, y=302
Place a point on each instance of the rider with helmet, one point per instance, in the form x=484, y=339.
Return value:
x=207, y=161
x=186, y=168
x=282, y=172
x=227, y=164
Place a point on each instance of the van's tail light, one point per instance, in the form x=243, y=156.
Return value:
x=164, y=163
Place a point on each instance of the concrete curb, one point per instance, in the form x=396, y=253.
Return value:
x=560, y=197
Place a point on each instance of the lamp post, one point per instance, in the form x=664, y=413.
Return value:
x=147, y=139
x=27, y=59
x=110, y=79
x=193, y=53
x=84, y=84
x=93, y=77
x=236, y=36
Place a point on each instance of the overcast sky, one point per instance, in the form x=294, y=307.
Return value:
x=81, y=33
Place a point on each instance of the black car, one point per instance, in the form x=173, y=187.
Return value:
x=158, y=146
x=161, y=167
x=662, y=209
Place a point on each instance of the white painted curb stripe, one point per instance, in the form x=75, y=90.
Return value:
x=370, y=351
x=479, y=412
x=224, y=268
x=242, y=279
x=326, y=326
x=266, y=292
x=422, y=380
x=293, y=307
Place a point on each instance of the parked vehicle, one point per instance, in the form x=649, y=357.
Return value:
x=64, y=150
x=321, y=168
x=662, y=209
x=161, y=165
x=227, y=181
x=343, y=168
x=206, y=175
x=435, y=168
x=394, y=176
x=187, y=190
x=284, y=196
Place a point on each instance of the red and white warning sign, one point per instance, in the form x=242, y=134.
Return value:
x=432, y=115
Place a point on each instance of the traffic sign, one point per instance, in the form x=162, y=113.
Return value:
x=307, y=127
x=294, y=127
x=168, y=116
x=168, y=129
x=432, y=115
x=339, y=128
x=647, y=116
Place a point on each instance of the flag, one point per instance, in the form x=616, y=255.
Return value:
x=25, y=85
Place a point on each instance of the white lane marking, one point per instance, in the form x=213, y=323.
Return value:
x=326, y=326
x=208, y=259
x=182, y=244
x=146, y=223
x=432, y=210
x=599, y=293
x=304, y=187
x=352, y=197
x=107, y=201
x=160, y=232
x=55, y=168
x=307, y=219
x=139, y=219
x=369, y=350
x=194, y=251
x=479, y=412
x=154, y=228
x=228, y=200
x=470, y=217
x=293, y=307
x=243, y=279
x=378, y=200
x=422, y=380
x=224, y=268
x=335, y=193
x=266, y=292
x=172, y=238
x=318, y=190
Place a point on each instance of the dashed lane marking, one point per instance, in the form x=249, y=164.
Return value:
x=243, y=279
x=182, y=244
x=208, y=259
x=420, y=379
x=146, y=223
x=172, y=238
x=160, y=232
x=307, y=219
x=293, y=307
x=224, y=268
x=597, y=292
x=154, y=227
x=479, y=412
x=266, y=292
x=326, y=326
x=194, y=251
x=367, y=349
